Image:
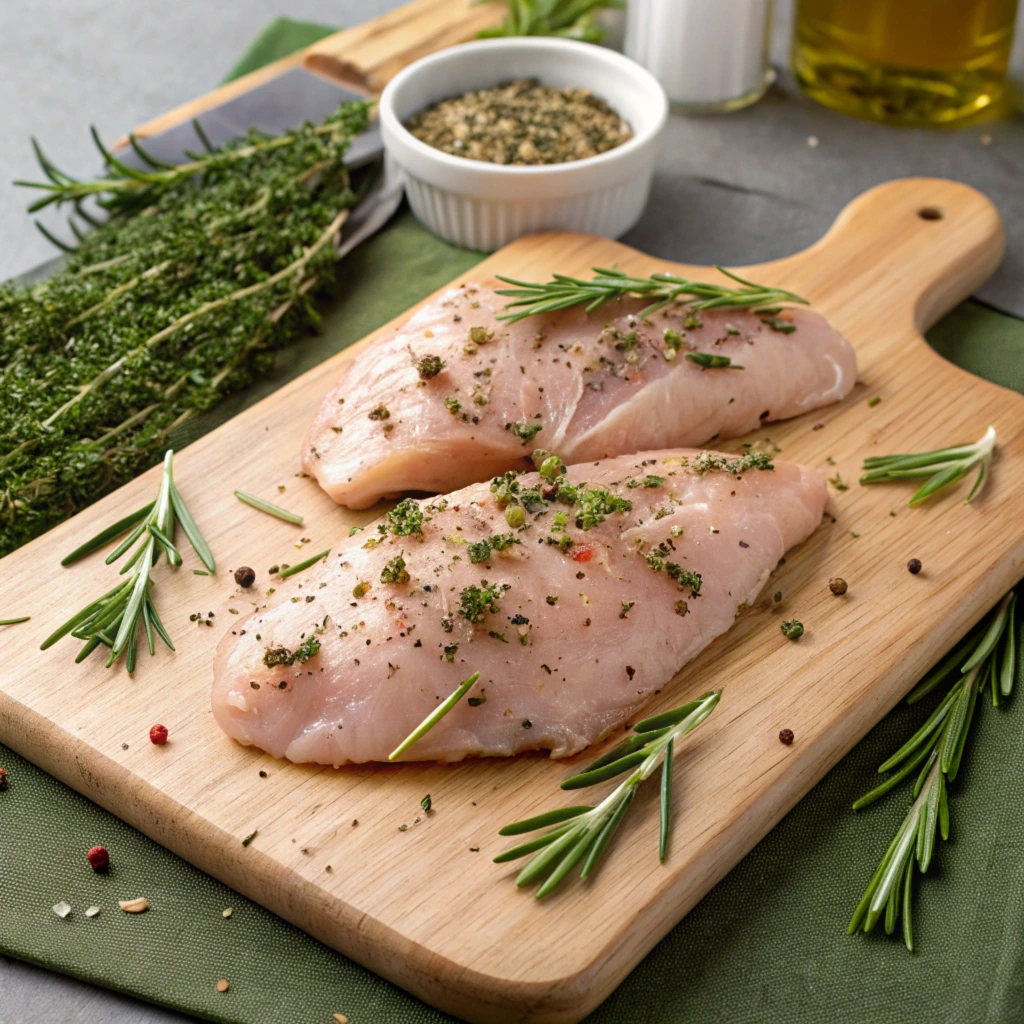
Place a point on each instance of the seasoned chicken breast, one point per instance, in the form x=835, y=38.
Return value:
x=573, y=594
x=457, y=395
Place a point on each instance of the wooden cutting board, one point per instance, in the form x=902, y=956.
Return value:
x=426, y=907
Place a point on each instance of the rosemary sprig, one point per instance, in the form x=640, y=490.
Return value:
x=435, y=716
x=569, y=19
x=583, y=832
x=986, y=658
x=942, y=467
x=266, y=506
x=305, y=564
x=114, y=618
x=175, y=300
x=562, y=292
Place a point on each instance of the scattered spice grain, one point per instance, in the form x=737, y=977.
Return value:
x=838, y=586
x=3, y=779
x=245, y=576
x=136, y=906
x=158, y=735
x=99, y=859
x=223, y=985
x=786, y=736
x=914, y=566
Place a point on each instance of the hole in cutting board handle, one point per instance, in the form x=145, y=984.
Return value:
x=930, y=213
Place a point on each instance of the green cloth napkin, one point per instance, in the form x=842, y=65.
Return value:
x=767, y=944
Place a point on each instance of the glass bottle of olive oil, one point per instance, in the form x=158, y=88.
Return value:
x=904, y=61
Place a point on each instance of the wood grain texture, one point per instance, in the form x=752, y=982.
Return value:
x=426, y=907
x=363, y=58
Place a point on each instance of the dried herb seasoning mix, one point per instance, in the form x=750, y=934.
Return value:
x=522, y=122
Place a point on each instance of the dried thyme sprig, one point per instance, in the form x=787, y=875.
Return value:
x=127, y=187
x=943, y=467
x=175, y=301
x=584, y=831
x=562, y=292
x=988, y=657
x=114, y=618
x=569, y=19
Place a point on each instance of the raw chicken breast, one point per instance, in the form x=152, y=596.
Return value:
x=583, y=386
x=621, y=572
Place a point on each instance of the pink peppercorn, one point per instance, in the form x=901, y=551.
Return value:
x=99, y=859
x=158, y=735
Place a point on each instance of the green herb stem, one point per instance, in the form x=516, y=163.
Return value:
x=568, y=19
x=589, y=829
x=266, y=506
x=293, y=569
x=114, y=619
x=563, y=292
x=435, y=716
x=934, y=754
x=942, y=467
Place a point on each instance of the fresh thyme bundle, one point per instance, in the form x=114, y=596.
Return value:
x=177, y=298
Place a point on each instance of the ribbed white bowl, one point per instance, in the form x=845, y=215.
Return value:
x=484, y=206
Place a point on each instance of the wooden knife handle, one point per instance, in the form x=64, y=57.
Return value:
x=368, y=56
x=362, y=58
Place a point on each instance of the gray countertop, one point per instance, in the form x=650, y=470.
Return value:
x=66, y=64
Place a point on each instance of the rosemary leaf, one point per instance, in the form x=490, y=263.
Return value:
x=112, y=531
x=435, y=716
x=115, y=618
x=312, y=560
x=266, y=506
x=584, y=832
x=986, y=657
x=943, y=467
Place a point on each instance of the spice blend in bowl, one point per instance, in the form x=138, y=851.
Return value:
x=523, y=123
x=528, y=170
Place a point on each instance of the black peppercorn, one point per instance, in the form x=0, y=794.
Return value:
x=245, y=577
x=837, y=585
x=786, y=736
x=914, y=565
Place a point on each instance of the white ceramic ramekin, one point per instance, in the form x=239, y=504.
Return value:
x=483, y=205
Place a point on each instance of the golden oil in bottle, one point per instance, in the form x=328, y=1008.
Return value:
x=905, y=61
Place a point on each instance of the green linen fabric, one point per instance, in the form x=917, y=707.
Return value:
x=767, y=945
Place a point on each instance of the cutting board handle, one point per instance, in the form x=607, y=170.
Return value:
x=913, y=247
x=368, y=56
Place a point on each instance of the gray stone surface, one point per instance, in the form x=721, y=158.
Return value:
x=744, y=188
